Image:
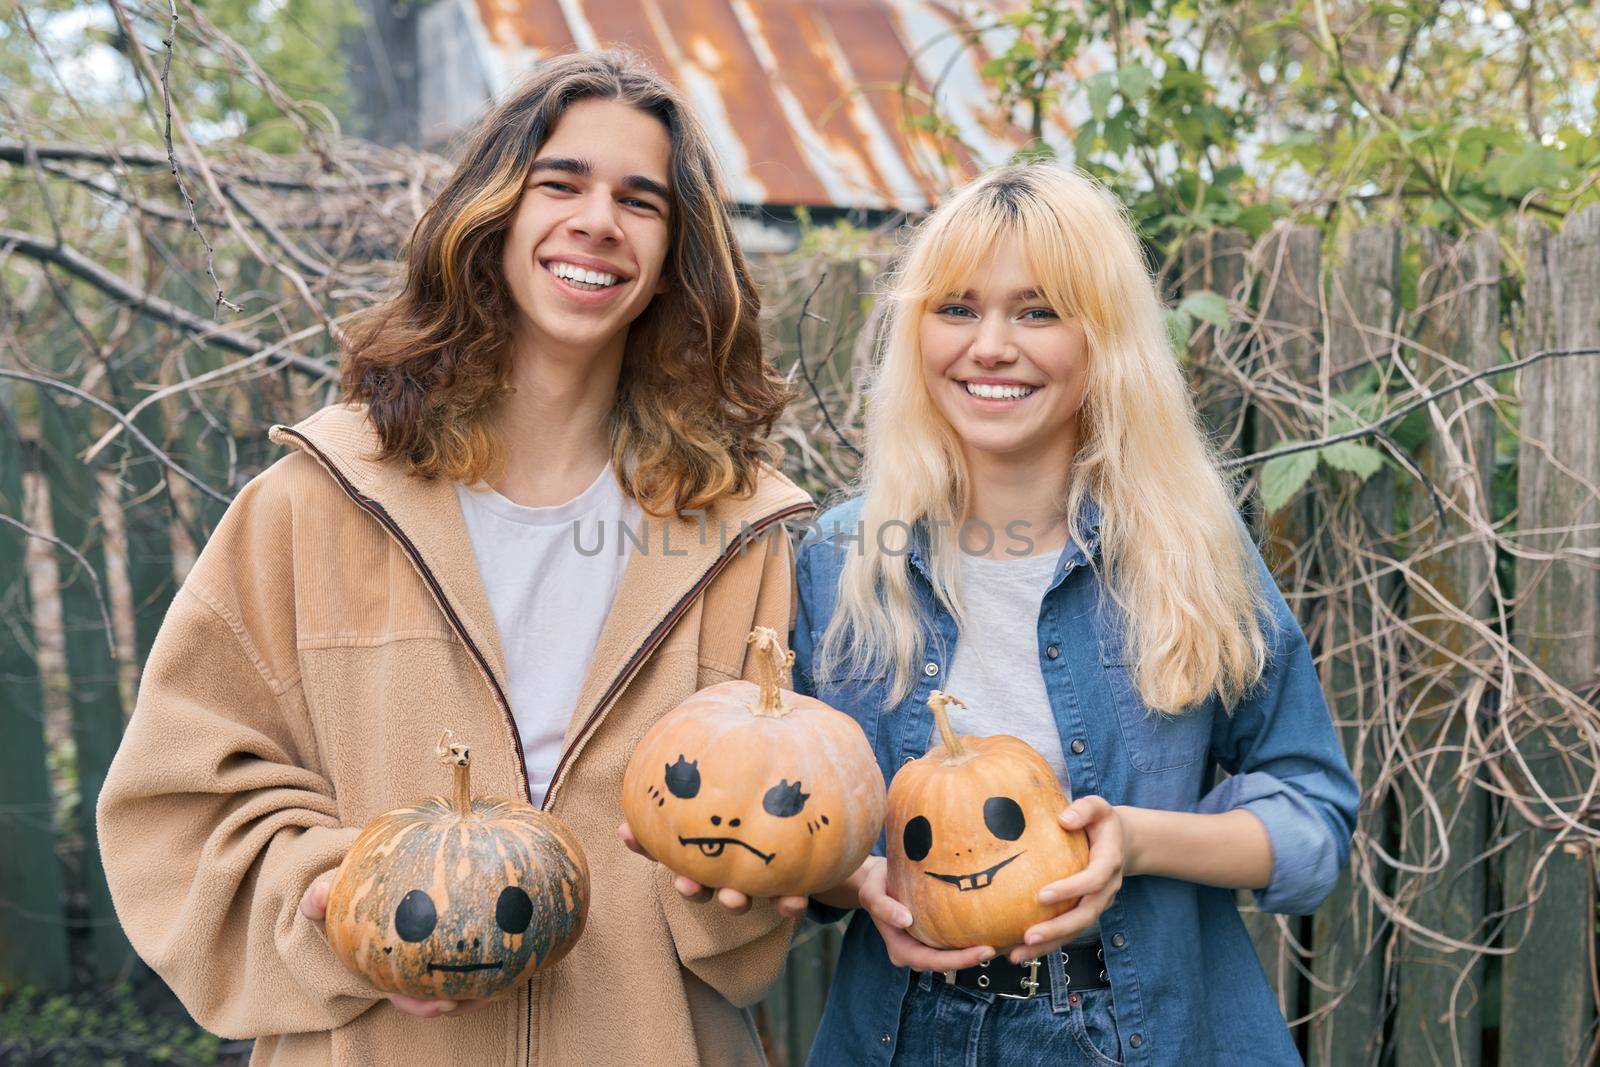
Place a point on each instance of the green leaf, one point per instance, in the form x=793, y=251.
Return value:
x=1207, y=307
x=1361, y=460
x=1281, y=478
x=1135, y=81
x=1099, y=89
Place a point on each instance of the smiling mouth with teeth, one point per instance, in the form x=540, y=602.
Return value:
x=999, y=392
x=713, y=846
x=965, y=882
x=591, y=281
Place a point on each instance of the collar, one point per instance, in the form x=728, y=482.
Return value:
x=1072, y=554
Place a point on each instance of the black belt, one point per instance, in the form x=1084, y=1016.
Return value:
x=1084, y=965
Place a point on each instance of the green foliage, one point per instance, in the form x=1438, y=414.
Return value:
x=1234, y=113
x=98, y=1029
x=284, y=80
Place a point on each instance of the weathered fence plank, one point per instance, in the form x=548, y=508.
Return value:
x=1439, y=1014
x=91, y=665
x=1290, y=265
x=1549, y=1009
x=1215, y=262
x=1347, y=933
x=33, y=936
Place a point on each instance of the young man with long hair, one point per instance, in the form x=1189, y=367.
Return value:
x=573, y=344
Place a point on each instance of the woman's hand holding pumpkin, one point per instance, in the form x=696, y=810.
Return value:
x=734, y=901
x=314, y=906
x=1096, y=885
x=892, y=918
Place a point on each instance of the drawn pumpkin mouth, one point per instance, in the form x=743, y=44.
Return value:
x=965, y=882
x=713, y=846
x=463, y=968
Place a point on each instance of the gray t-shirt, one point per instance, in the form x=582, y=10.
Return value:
x=996, y=665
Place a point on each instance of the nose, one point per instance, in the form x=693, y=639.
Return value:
x=595, y=216
x=992, y=346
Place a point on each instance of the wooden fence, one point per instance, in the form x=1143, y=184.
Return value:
x=1451, y=597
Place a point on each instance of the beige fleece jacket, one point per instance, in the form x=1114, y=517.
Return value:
x=333, y=625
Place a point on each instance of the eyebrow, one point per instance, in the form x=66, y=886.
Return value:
x=582, y=168
x=1020, y=294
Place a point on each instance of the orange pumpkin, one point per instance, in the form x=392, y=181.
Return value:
x=973, y=836
x=752, y=787
x=457, y=898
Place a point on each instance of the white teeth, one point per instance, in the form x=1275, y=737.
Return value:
x=998, y=392
x=574, y=273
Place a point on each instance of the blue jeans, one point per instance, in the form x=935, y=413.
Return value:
x=944, y=1026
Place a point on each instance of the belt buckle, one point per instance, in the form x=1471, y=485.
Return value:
x=1030, y=983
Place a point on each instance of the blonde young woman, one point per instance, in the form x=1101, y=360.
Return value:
x=1041, y=529
x=573, y=344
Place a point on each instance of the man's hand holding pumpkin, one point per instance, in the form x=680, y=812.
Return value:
x=314, y=906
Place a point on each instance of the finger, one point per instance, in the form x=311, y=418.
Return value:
x=314, y=905
x=1083, y=811
x=907, y=951
x=791, y=907
x=422, y=1009
x=733, y=900
x=625, y=832
x=1086, y=882
x=691, y=889
x=885, y=909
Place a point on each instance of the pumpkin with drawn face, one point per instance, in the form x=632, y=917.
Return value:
x=973, y=836
x=752, y=787
x=457, y=898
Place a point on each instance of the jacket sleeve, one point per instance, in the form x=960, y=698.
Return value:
x=740, y=956
x=1286, y=766
x=215, y=817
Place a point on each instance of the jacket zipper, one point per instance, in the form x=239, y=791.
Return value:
x=377, y=511
x=658, y=635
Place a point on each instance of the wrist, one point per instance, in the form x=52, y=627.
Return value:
x=1132, y=857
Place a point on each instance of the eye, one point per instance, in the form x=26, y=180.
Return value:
x=415, y=918
x=918, y=839
x=955, y=311
x=784, y=800
x=513, y=911
x=634, y=201
x=1003, y=817
x=1039, y=315
x=683, y=778
x=559, y=187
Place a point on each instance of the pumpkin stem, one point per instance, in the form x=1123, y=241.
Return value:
x=458, y=756
x=954, y=751
x=772, y=670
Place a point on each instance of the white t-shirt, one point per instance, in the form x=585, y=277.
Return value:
x=996, y=665
x=550, y=600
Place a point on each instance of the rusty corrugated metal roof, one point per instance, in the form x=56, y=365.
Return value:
x=801, y=98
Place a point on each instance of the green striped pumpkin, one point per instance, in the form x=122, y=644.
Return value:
x=453, y=899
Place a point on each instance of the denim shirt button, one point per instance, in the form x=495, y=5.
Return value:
x=1118, y=941
x=930, y=668
x=1078, y=746
x=908, y=759
x=884, y=1039
x=1135, y=1041
x=1053, y=651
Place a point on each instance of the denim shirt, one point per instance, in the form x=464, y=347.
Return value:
x=1185, y=978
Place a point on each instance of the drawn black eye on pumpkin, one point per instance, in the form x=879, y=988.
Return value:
x=513, y=912
x=415, y=917
x=784, y=800
x=1003, y=816
x=683, y=778
x=918, y=839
